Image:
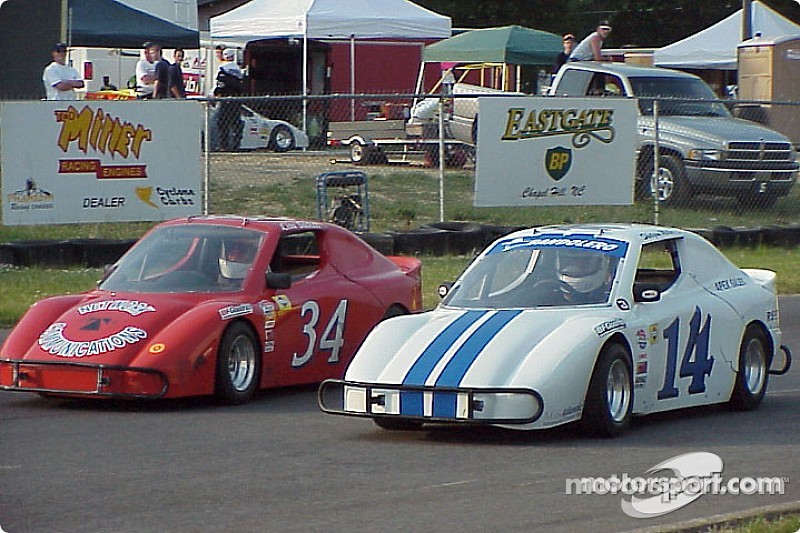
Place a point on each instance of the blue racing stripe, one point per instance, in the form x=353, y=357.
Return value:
x=424, y=364
x=457, y=367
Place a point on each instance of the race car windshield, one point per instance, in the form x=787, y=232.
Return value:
x=187, y=258
x=528, y=277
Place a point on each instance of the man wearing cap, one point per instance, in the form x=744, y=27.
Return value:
x=568, y=42
x=60, y=80
x=591, y=48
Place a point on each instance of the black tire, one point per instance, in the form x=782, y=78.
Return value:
x=753, y=371
x=609, y=400
x=238, y=365
x=282, y=139
x=396, y=424
x=671, y=184
x=394, y=310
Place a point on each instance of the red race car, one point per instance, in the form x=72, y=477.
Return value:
x=213, y=305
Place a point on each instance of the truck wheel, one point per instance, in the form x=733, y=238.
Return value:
x=358, y=152
x=670, y=183
x=282, y=139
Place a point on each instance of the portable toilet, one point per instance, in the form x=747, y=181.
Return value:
x=769, y=71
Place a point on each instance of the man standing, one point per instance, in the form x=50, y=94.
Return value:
x=568, y=42
x=590, y=49
x=60, y=80
x=145, y=74
x=229, y=83
x=177, y=88
x=161, y=70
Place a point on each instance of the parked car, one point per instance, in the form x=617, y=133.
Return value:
x=593, y=323
x=257, y=132
x=222, y=306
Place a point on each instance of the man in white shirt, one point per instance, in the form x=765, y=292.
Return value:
x=60, y=80
x=146, y=72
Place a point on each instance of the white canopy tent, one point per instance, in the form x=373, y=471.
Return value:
x=715, y=46
x=329, y=19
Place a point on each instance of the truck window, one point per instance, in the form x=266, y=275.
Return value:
x=688, y=89
x=574, y=83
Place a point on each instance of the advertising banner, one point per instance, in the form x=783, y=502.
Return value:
x=536, y=151
x=99, y=161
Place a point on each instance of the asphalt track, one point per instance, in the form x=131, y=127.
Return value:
x=279, y=464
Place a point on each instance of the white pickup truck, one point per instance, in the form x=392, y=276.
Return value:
x=702, y=147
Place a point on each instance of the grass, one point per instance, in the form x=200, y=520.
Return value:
x=400, y=198
x=784, y=524
x=21, y=287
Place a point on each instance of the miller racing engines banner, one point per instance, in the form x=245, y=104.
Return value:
x=99, y=161
x=555, y=151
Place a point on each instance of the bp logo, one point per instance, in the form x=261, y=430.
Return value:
x=557, y=162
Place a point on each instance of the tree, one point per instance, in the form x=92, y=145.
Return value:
x=641, y=23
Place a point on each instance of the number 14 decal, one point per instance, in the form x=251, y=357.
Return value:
x=699, y=367
x=332, y=337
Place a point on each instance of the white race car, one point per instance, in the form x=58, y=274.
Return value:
x=557, y=324
x=257, y=132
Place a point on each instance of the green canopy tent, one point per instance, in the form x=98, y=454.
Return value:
x=502, y=46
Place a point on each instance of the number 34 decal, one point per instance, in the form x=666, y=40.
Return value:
x=698, y=367
x=332, y=336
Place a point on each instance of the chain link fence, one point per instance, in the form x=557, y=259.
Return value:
x=721, y=163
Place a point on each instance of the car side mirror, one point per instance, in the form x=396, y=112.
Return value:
x=278, y=280
x=444, y=288
x=646, y=293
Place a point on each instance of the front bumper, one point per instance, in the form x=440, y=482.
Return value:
x=431, y=404
x=81, y=379
x=777, y=181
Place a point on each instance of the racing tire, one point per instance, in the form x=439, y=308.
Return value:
x=282, y=139
x=396, y=424
x=608, y=406
x=238, y=365
x=670, y=184
x=753, y=372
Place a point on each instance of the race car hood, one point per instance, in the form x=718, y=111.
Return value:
x=478, y=348
x=97, y=328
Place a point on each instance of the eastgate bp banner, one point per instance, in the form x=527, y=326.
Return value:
x=555, y=151
x=99, y=161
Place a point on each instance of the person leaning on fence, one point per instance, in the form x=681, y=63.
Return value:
x=591, y=48
x=60, y=80
x=229, y=83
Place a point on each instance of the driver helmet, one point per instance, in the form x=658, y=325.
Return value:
x=582, y=270
x=236, y=257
